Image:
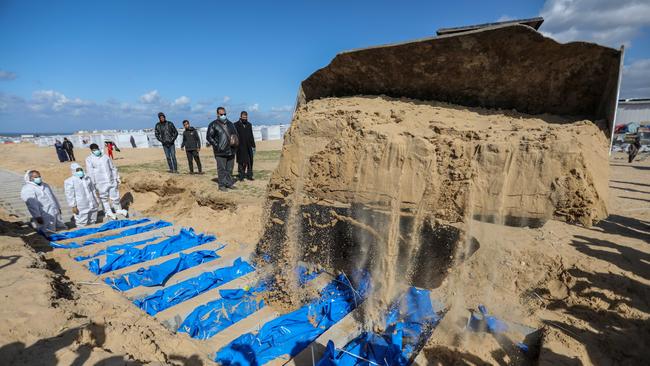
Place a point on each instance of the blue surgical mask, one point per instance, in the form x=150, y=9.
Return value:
x=97, y=153
x=38, y=180
x=222, y=117
x=79, y=173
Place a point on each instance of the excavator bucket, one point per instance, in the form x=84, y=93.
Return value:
x=393, y=149
x=498, y=67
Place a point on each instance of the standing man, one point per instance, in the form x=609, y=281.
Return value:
x=68, y=147
x=41, y=203
x=222, y=135
x=246, y=148
x=166, y=133
x=192, y=145
x=104, y=177
x=80, y=194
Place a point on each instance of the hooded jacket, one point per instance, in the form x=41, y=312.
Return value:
x=166, y=132
x=80, y=192
x=219, y=137
x=40, y=200
x=191, y=139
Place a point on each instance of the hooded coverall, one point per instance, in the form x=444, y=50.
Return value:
x=103, y=174
x=80, y=193
x=41, y=203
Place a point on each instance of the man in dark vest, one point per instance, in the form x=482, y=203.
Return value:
x=246, y=149
x=192, y=145
x=223, y=137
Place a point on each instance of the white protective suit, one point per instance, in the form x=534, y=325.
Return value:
x=104, y=176
x=80, y=193
x=41, y=202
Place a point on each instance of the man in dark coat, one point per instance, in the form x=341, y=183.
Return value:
x=246, y=148
x=69, y=148
x=166, y=133
x=192, y=145
x=223, y=137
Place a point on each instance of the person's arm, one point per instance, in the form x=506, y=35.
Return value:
x=252, y=136
x=174, y=131
x=90, y=170
x=209, y=135
x=68, y=188
x=56, y=200
x=33, y=206
x=198, y=139
x=157, y=132
x=184, y=140
x=116, y=176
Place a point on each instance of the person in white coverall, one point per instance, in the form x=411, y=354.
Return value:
x=41, y=203
x=80, y=194
x=103, y=175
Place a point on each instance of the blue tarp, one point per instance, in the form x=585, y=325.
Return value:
x=234, y=305
x=408, y=323
x=124, y=233
x=115, y=248
x=175, y=294
x=291, y=333
x=184, y=240
x=158, y=274
x=111, y=225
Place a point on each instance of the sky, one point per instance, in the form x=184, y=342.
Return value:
x=71, y=65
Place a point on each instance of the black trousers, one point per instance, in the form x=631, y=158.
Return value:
x=193, y=155
x=70, y=155
x=245, y=169
x=225, y=166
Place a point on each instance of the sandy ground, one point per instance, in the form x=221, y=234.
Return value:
x=587, y=288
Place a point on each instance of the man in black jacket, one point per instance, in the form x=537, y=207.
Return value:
x=69, y=148
x=166, y=133
x=192, y=145
x=246, y=148
x=222, y=135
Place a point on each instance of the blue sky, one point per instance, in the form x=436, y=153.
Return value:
x=69, y=65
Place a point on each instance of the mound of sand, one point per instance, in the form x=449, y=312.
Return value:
x=387, y=184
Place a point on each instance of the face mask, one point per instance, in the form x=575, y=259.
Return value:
x=38, y=180
x=97, y=153
x=222, y=117
x=79, y=173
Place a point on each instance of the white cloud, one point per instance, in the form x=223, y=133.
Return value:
x=226, y=99
x=284, y=108
x=636, y=80
x=7, y=75
x=150, y=97
x=611, y=23
x=505, y=18
x=47, y=108
x=181, y=101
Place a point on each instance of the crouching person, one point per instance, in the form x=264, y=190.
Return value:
x=41, y=203
x=80, y=194
x=103, y=174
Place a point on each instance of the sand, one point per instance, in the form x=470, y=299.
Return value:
x=404, y=173
x=587, y=287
